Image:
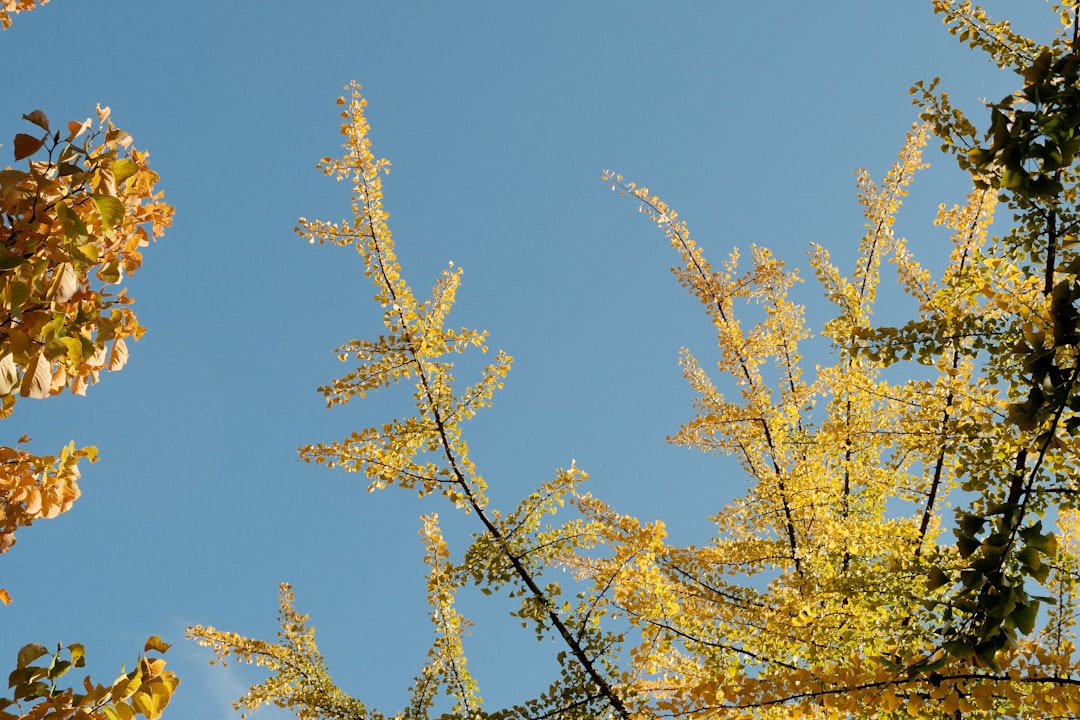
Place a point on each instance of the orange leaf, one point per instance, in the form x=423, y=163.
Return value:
x=75, y=129
x=33, y=501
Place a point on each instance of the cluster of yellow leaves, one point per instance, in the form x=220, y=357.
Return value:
x=15, y=7
x=73, y=224
x=427, y=453
x=842, y=517
x=144, y=691
x=36, y=487
x=972, y=25
x=301, y=682
x=827, y=590
x=414, y=348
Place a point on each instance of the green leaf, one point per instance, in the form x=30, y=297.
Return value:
x=958, y=649
x=1046, y=544
x=110, y=273
x=1023, y=617
x=928, y=666
x=10, y=261
x=936, y=578
x=966, y=545
x=74, y=227
x=1030, y=558
x=123, y=168
x=986, y=654
x=971, y=524
x=78, y=654
x=111, y=209
x=59, y=668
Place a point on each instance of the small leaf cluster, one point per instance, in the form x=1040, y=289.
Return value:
x=36, y=692
x=73, y=225
x=14, y=7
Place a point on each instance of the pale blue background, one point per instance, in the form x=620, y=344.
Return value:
x=748, y=117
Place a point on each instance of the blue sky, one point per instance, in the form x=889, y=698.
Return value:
x=748, y=118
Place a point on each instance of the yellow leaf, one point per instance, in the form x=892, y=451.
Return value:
x=154, y=642
x=65, y=283
x=37, y=379
x=9, y=374
x=119, y=355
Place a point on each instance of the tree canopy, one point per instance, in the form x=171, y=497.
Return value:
x=841, y=583
x=906, y=544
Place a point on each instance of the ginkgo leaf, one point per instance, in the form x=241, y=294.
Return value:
x=37, y=378
x=5, y=597
x=154, y=642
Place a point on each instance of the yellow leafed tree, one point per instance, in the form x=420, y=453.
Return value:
x=73, y=223
x=841, y=583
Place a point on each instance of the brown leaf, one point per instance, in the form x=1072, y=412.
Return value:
x=27, y=145
x=38, y=118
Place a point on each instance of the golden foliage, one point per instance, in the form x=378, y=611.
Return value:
x=832, y=587
x=301, y=682
x=73, y=225
x=144, y=691
x=14, y=7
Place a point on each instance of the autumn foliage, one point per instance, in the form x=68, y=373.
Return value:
x=14, y=7
x=73, y=222
x=907, y=544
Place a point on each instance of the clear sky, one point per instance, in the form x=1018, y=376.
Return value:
x=748, y=117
